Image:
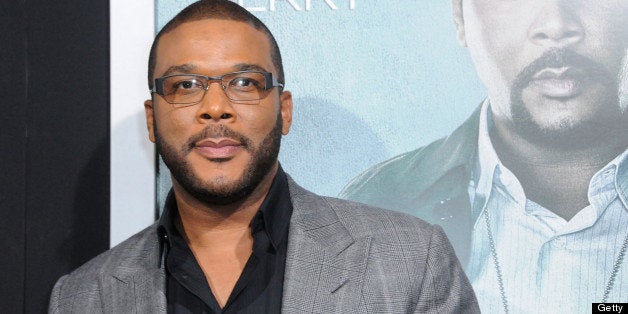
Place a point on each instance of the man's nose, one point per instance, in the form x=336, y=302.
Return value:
x=215, y=105
x=557, y=24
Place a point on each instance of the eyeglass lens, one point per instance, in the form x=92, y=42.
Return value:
x=190, y=89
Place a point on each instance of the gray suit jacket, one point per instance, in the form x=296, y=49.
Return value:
x=343, y=257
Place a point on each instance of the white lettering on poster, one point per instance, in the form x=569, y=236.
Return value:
x=297, y=5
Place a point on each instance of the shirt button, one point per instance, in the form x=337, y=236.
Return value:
x=560, y=242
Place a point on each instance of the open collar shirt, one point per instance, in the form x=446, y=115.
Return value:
x=547, y=263
x=259, y=288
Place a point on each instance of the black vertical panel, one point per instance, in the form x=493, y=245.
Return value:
x=67, y=159
x=12, y=154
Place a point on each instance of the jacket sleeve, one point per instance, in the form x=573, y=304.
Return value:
x=445, y=287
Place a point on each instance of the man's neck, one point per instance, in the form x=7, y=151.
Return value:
x=557, y=179
x=203, y=223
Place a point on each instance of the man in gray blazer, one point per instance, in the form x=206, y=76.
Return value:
x=237, y=234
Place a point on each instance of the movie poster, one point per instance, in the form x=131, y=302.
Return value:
x=501, y=121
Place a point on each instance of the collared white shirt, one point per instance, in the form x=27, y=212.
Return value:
x=547, y=264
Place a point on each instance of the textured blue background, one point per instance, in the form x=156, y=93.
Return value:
x=368, y=83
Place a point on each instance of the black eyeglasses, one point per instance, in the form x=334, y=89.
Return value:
x=241, y=87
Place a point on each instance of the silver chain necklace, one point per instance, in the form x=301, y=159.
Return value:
x=500, y=281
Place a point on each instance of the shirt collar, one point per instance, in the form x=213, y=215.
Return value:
x=273, y=216
x=487, y=159
x=165, y=227
x=276, y=209
x=489, y=170
x=613, y=178
x=622, y=178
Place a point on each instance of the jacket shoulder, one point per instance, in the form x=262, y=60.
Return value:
x=80, y=290
x=377, y=182
x=400, y=182
x=390, y=170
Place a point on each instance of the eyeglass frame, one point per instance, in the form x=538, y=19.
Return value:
x=270, y=82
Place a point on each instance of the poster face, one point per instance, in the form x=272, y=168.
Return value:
x=501, y=121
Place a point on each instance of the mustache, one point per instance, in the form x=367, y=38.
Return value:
x=586, y=68
x=216, y=131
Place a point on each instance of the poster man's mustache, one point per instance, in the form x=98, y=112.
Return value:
x=583, y=68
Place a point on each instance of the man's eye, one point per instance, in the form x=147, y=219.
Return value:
x=187, y=84
x=244, y=83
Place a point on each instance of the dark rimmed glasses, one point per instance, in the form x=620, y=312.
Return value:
x=241, y=87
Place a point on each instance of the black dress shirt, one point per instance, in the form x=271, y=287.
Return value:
x=259, y=288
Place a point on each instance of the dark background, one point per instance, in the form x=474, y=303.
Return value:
x=54, y=144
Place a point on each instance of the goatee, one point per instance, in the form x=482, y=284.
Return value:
x=218, y=192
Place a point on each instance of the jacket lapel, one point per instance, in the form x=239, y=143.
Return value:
x=325, y=264
x=457, y=151
x=138, y=285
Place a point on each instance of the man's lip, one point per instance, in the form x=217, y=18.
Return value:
x=217, y=143
x=218, y=148
x=564, y=82
x=564, y=72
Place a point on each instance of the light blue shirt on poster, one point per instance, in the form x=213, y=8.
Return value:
x=548, y=264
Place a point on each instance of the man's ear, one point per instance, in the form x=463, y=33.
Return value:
x=456, y=10
x=286, y=111
x=150, y=119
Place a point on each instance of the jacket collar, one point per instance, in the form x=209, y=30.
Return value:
x=458, y=150
x=325, y=264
